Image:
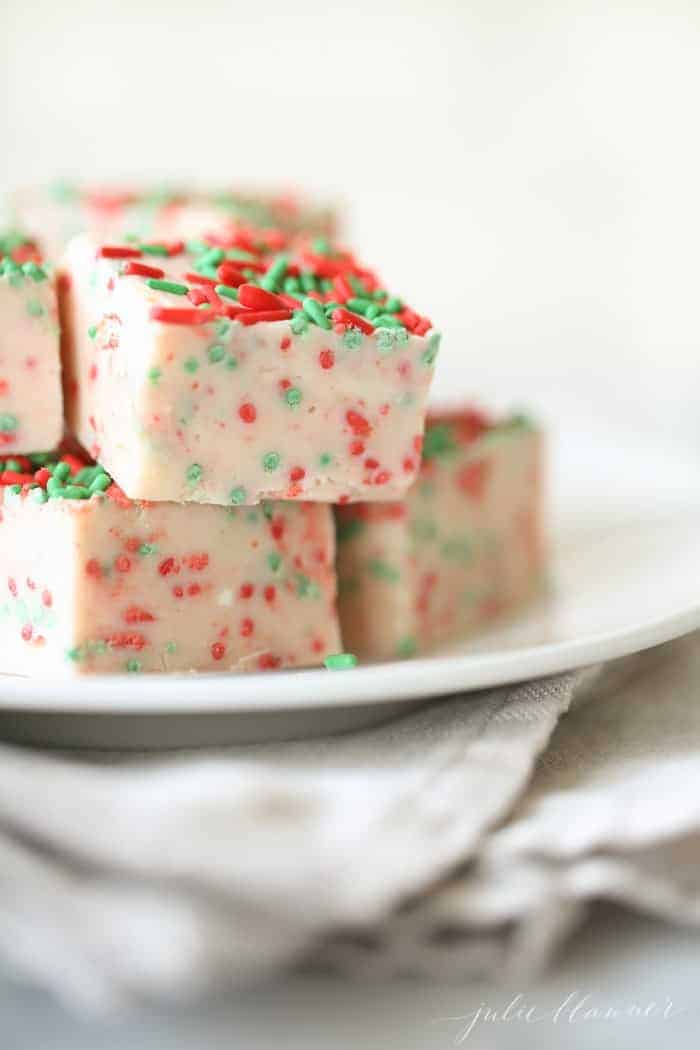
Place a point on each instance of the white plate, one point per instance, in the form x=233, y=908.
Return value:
x=625, y=576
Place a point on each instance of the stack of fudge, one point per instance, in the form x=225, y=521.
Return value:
x=214, y=452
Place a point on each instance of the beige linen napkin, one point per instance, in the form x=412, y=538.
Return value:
x=126, y=878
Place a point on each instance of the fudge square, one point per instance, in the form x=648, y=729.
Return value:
x=91, y=581
x=465, y=546
x=261, y=368
x=31, y=402
x=55, y=213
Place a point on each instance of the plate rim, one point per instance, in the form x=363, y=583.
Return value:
x=428, y=677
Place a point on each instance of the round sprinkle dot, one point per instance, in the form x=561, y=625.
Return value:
x=271, y=461
x=191, y=364
x=194, y=473
x=340, y=661
x=216, y=353
x=237, y=495
x=293, y=396
x=218, y=650
x=326, y=358
x=133, y=666
x=325, y=459
x=248, y=413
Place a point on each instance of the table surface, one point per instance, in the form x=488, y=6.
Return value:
x=619, y=962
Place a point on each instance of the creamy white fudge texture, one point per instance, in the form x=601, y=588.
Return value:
x=106, y=584
x=229, y=412
x=31, y=402
x=464, y=547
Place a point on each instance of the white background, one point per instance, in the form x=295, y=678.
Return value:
x=527, y=174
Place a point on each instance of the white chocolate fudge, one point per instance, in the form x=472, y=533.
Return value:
x=31, y=402
x=91, y=581
x=258, y=368
x=464, y=547
x=55, y=214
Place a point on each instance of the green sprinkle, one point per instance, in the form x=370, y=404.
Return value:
x=148, y=548
x=307, y=281
x=100, y=483
x=275, y=274
x=267, y=510
x=291, y=285
x=8, y=422
x=34, y=308
x=227, y=291
x=133, y=666
x=340, y=661
x=352, y=338
x=194, y=473
x=211, y=257
x=61, y=472
x=325, y=459
x=191, y=364
x=39, y=495
x=381, y=570
x=293, y=396
x=37, y=273
x=271, y=461
x=167, y=286
x=170, y=647
x=155, y=249
x=222, y=327
x=216, y=353
x=407, y=647
x=237, y=495
x=385, y=340
x=92, y=331
x=393, y=304
x=315, y=312
x=74, y=654
x=428, y=356
x=348, y=528
x=299, y=322
x=384, y=320
x=274, y=561
x=75, y=492
x=359, y=305
x=438, y=441
x=154, y=374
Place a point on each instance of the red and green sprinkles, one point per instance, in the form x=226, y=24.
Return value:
x=43, y=477
x=265, y=275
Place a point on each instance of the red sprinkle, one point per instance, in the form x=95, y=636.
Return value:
x=270, y=593
x=135, y=614
x=180, y=315
x=198, y=278
x=248, y=317
x=357, y=423
x=255, y=298
x=111, y=251
x=122, y=564
x=167, y=566
x=342, y=316
x=27, y=632
x=230, y=275
x=326, y=358
x=246, y=590
x=12, y=477
x=93, y=568
x=247, y=626
x=267, y=662
x=137, y=269
x=248, y=412
x=218, y=650
x=296, y=474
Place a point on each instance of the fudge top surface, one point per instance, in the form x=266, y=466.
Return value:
x=256, y=275
x=286, y=207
